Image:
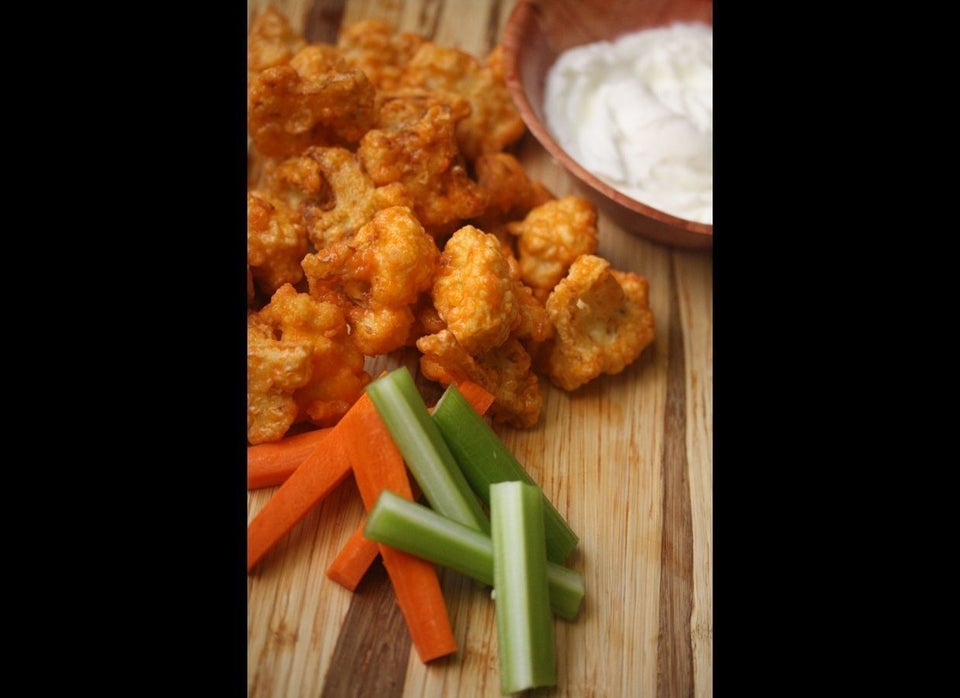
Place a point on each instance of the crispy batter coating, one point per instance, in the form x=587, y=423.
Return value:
x=317, y=61
x=288, y=112
x=551, y=237
x=505, y=371
x=509, y=190
x=474, y=292
x=494, y=122
x=276, y=242
x=271, y=40
x=337, y=366
x=601, y=326
x=510, y=195
x=275, y=370
x=375, y=47
x=398, y=109
x=418, y=148
x=426, y=319
x=534, y=322
x=294, y=181
x=377, y=277
x=333, y=194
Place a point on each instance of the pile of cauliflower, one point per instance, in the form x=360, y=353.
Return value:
x=385, y=211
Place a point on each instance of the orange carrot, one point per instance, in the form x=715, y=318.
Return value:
x=321, y=471
x=358, y=553
x=377, y=464
x=478, y=396
x=269, y=464
x=354, y=559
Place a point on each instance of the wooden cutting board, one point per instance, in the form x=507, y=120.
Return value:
x=627, y=459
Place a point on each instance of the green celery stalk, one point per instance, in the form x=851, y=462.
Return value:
x=416, y=529
x=424, y=448
x=485, y=460
x=524, y=623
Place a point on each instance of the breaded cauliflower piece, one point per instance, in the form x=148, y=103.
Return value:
x=510, y=195
x=551, y=237
x=474, y=292
x=494, y=122
x=533, y=325
x=295, y=180
x=337, y=375
x=602, y=320
x=417, y=147
x=509, y=190
x=275, y=370
x=276, y=242
x=505, y=371
x=377, y=277
x=376, y=48
x=333, y=194
x=317, y=61
x=399, y=108
x=288, y=112
x=271, y=40
x=426, y=319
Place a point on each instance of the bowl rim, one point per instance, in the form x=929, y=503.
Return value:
x=689, y=233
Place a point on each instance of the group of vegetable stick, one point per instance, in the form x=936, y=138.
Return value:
x=459, y=466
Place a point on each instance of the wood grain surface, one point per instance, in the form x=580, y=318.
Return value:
x=627, y=459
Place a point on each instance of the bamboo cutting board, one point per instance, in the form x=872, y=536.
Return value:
x=627, y=459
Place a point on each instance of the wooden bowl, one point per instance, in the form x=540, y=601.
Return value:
x=536, y=32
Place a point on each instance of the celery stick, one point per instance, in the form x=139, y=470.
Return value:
x=426, y=452
x=419, y=530
x=484, y=460
x=524, y=623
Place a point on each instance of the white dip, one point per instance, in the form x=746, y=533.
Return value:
x=638, y=113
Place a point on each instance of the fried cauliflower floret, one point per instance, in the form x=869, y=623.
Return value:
x=398, y=109
x=533, y=325
x=275, y=370
x=377, y=277
x=271, y=40
x=601, y=324
x=508, y=189
x=494, y=122
x=337, y=375
x=374, y=47
x=551, y=237
x=473, y=290
x=333, y=194
x=418, y=148
x=276, y=242
x=426, y=319
x=510, y=194
x=287, y=112
x=317, y=61
x=505, y=371
x=295, y=180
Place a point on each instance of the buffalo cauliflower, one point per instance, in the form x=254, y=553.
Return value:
x=602, y=322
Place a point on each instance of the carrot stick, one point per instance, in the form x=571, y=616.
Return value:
x=354, y=559
x=321, y=471
x=358, y=553
x=377, y=464
x=478, y=396
x=269, y=464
